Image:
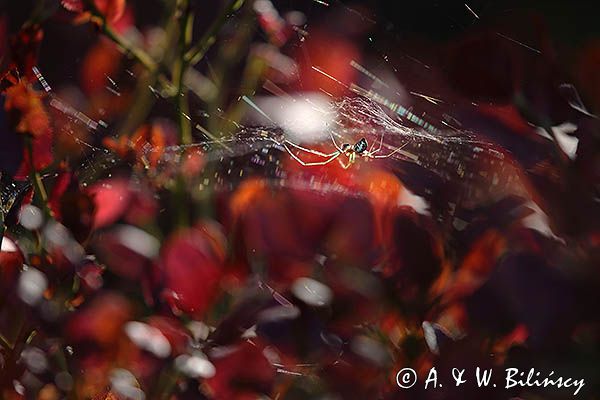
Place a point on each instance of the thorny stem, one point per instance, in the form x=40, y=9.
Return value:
x=197, y=52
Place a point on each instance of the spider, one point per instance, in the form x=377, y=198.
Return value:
x=350, y=151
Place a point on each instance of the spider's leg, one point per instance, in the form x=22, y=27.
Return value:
x=345, y=165
x=380, y=143
x=331, y=156
x=338, y=147
x=398, y=150
x=315, y=152
x=371, y=151
x=348, y=164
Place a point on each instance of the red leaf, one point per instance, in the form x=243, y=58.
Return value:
x=192, y=271
x=112, y=9
x=101, y=321
x=112, y=198
x=73, y=207
x=11, y=260
x=26, y=105
x=241, y=374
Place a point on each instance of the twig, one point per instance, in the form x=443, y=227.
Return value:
x=140, y=55
x=185, y=38
x=181, y=102
x=197, y=52
x=37, y=181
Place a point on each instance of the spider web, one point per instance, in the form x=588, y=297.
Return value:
x=459, y=159
x=425, y=156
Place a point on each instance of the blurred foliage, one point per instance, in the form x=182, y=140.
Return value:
x=159, y=242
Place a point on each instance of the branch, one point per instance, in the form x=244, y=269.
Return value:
x=185, y=38
x=197, y=52
x=140, y=55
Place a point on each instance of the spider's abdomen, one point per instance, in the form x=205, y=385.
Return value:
x=360, y=146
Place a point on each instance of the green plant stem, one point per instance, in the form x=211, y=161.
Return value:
x=181, y=65
x=185, y=125
x=157, y=71
x=253, y=74
x=5, y=343
x=40, y=189
x=166, y=383
x=228, y=60
x=183, y=118
x=197, y=52
x=140, y=55
x=181, y=102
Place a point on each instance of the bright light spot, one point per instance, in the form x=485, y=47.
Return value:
x=369, y=349
x=295, y=18
x=264, y=7
x=305, y=118
x=539, y=221
x=31, y=217
x=430, y=337
x=58, y=236
x=312, y=292
x=148, y=338
x=8, y=245
x=32, y=284
x=138, y=240
x=124, y=383
x=278, y=313
x=195, y=366
x=417, y=203
x=566, y=142
x=199, y=330
x=19, y=388
x=249, y=333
